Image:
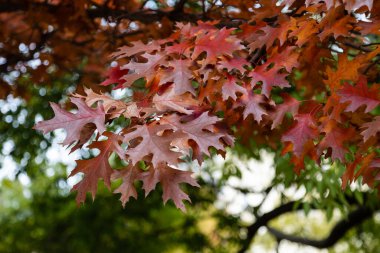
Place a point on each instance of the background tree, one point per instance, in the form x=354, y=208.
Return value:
x=41, y=48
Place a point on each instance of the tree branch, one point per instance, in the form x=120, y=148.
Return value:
x=143, y=16
x=180, y=5
x=371, y=65
x=357, y=47
x=354, y=218
x=285, y=208
x=264, y=219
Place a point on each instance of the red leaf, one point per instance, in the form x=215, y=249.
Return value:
x=73, y=123
x=251, y=102
x=137, y=47
x=270, y=34
x=335, y=139
x=127, y=189
x=169, y=101
x=145, y=70
x=180, y=75
x=367, y=169
x=230, y=88
x=306, y=30
x=290, y=105
x=216, y=43
x=237, y=63
x=303, y=131
x=201, y=130
x=287, y=58
x=269, y=78
x=154, y=142
x=182, y=48
x=115, y=77
x=98, y=167
x=350, y=5
x=360, y=95
x=373, y=128
x=335, y=25
x=110, y=105
x=170, y=180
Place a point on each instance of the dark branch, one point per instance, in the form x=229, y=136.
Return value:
x=263, y=220
x=285, y=208
x=371, y=65
x=357, y=47
x=354, y=218
x=143, y=16
x=180, y=5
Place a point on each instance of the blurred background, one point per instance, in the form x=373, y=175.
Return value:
x=251, y=199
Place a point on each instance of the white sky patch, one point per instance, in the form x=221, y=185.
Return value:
x=121, y=93
x=59, y=154
x=8, y=168
x=286, y=246
x=151, y=5
x=256, y=176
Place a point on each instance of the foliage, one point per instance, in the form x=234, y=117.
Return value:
x=293, y=80
x=202, y=85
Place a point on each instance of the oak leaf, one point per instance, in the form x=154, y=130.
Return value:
x=215, y=44
x=201, y=130
x=269, y=78
x=154, y=142
x=170, y=101
x=231, y=64
x=136, y=48
x=335, y=138
x=110, y=105
x=127, y=188
x=372, y=128
x=287, y=58
x=115, y=76
x=333, y=25
x=145, y=70
x=303, y=131
x=170, y=179
x=269, y=34
x=289, y=105
x=182, y=48
x=98, y=167
x=346, y=70
x=350, y=5
x=73, y=123
x=251, y=103
x=180, y=74
x=230, y=88
x=305, y=30
x=360, y=95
